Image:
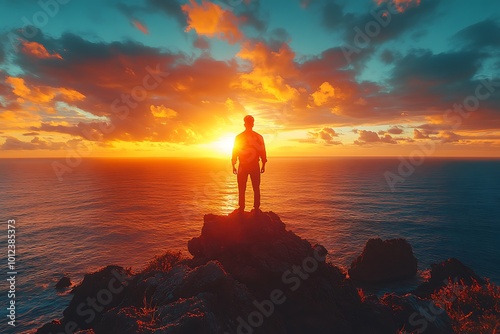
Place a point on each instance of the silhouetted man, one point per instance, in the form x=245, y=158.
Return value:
x=248, y=149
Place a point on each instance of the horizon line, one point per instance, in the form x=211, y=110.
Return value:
x=273, y=157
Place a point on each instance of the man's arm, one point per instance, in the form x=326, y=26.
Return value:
x=263, y=156
x=234, y=156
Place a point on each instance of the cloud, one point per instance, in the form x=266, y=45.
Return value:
x=324, y=93
x=368, y=137
x=211, y=20
x=314, y=91
x=120, y=86
x=171, y=7
x=250, y=16
x=140, y=26
x=325, y=135
x=12, y=143
x=388, y=139
x=481, y=35
x=163, y=112
x=271, y=69
x=426, y=67
x=334, y=17
x=450, y=137
x=424, y=83
x=201, y=43
x=37, y=50
x=267, y=78
x=18, y=86
x=400, y=5
x=306, y=3
x=42, y=94
x=388, y=56
x=395, y=130
x=402, y=17
x=132, y=11
x=417, y=134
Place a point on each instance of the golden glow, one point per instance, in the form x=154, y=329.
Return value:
x=224, y=145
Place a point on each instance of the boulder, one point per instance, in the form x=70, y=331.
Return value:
x=98, y=292
x=64, y=282
x=384, y=261
x=441, y=273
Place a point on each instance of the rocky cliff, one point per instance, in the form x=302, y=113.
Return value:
x=247, y=274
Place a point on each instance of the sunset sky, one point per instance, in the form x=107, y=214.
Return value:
x=321, y=77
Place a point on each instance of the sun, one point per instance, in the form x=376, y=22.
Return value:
x=223, y=145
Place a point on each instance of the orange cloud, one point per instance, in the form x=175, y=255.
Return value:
x=41, y=95
x=324, y=93
x=24, y=93
x=211, y=20
x=400, y=5
x=38, y=50
x=18, y=86
x=69, y=95
x=140, y=26
x=271, y=71
x=162, y=112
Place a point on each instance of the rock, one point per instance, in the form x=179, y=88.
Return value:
x=98, y=292
x=52, y=327
x=381, y=316
x=441, y=273
x=258, y=251
x=384, y=261
x=249, y=274
x=64, y=282
x=415, y=315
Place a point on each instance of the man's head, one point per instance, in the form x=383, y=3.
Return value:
x=248, y=122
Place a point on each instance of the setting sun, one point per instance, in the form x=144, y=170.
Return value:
x=224, y=145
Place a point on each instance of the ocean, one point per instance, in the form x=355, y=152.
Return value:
x=126, y=211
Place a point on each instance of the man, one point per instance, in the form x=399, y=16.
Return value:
x=248, y=149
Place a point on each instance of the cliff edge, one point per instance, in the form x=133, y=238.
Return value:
x=247, y=274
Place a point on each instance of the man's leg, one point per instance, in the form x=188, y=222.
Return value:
x=242, y=186
x=255, y=177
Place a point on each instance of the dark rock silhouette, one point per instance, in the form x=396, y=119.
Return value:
x=257, y=250
x=64, y=282
x=248, y=274
x=98, y=293
x=441, y=273
x=384, y=261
